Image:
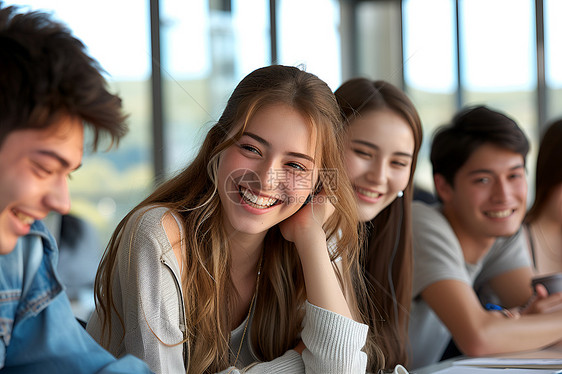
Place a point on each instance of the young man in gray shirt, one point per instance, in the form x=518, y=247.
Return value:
x=472, y=238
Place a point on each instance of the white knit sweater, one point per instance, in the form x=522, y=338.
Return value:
x=147, y=293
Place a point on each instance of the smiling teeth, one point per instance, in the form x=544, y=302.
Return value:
x=499, y=214
x=25, y=218
x=368, y=193
x=257, y=201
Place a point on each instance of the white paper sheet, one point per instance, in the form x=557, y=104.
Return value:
x=528, y=363
x=459, y=369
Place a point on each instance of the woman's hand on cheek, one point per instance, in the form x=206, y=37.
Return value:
x=305, y=226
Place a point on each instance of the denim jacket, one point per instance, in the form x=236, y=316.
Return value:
x=38, y=331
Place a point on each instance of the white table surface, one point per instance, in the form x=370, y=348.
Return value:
x=554, y=351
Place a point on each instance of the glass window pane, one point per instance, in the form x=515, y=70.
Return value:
x=205, y=52
x=430, y=69
x=110, y=183
x=498, y=57
x=378, y=40
x=308, y=34
x=553, y=56
x=498, y=63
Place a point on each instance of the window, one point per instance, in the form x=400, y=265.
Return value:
x=206, y=50
x=308, y=35
x=498, y=57
x=493, y=64
x=553, y=57
x=430, y=70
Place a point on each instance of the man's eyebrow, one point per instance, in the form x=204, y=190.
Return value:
x=267, y=144
x=64, y=163
x=376, y=147
x=488, y=171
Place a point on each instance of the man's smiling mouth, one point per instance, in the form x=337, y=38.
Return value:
x=28, y=220
x=500, y=213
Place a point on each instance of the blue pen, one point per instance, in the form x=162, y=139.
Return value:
x=504, y=311
x=490, y=306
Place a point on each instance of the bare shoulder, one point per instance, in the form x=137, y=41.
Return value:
x=171, y=224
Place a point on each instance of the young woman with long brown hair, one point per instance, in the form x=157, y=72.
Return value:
x=543, y=223
x=384, y=136
x=225, y=266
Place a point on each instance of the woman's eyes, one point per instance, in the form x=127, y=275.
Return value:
x=296, y=166
x=401, y=164
x=250, y=148
x=362, y=153
x=369, y=155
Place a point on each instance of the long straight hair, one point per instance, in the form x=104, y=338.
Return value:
x=208, y=291
x=548, y=175
x=387, y=258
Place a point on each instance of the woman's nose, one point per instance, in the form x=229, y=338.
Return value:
x=376, y=173
x=269, y=176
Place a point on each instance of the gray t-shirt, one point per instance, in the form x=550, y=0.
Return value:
x=438, y=256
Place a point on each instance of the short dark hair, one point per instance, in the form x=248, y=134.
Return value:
x=470, y=128
x=45, y=73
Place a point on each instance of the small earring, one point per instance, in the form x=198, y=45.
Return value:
x=400, y=193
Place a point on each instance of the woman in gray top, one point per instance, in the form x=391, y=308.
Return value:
x=225, y=266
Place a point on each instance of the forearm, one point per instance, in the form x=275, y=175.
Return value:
x=480, y=332
x=499, y=334
x=323, y=288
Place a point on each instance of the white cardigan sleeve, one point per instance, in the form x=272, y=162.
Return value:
x=333, y=345
x=333, y=342
x=148, y=299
